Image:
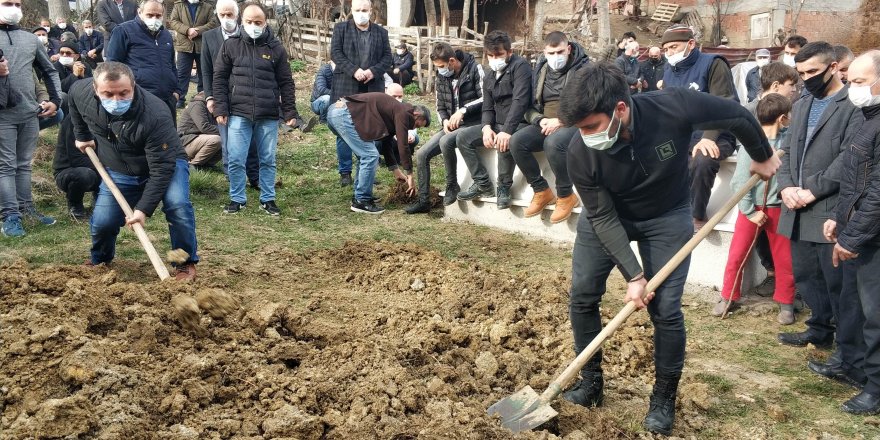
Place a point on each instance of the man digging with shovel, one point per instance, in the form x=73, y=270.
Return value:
x=136, y=139
x=629, y=164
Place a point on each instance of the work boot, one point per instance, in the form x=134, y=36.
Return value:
x=564, y=206
x=540, y=201
x=78, y=212
x=786, y=314
x=451, y=195
x=420, y=207
x=503, y=197
x=186, y=272
x=588, y=390
x=345, y=179
x=476, y=191
x=767, y=287
x=661, y=413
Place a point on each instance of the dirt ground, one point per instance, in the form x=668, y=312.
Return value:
x=368, y=341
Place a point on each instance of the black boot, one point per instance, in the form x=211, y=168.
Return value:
x=503, y=199
x=588, y=391
x=661, y=414
x=78, y=212
x=422, y=206
x=451, y=195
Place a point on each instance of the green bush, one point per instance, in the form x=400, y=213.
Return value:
x=412, y=89
x=298, y=65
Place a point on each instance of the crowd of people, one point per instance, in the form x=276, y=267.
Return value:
x=638, y=141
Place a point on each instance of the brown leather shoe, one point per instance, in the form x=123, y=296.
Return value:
x=564, y=206
x=186, y=272
x=540, y=201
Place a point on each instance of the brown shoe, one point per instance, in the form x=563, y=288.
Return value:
x=540, y=201
x=186, y=272
x=564, y=206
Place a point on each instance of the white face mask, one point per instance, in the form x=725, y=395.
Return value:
x=253, y=30
x=65, y=61
x=860, y=96
x=194, y=2
x=445, y=71
x=556, y=62
x=228, y=24
x=601, y=141
x=676, y=58
x=762, y=62
x=62, y=25
x=497, y=64
x=401, y=51
x=89, y=31
x=43, y=39
x=153, y=24
x=361, y=18
x=788, y=60
x=10, y=14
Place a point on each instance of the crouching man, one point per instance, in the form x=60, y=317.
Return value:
x=134, y=136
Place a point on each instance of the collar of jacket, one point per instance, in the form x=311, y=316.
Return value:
x=263, y=39
x=688, y=62
x=9, y=27
x=871, y=112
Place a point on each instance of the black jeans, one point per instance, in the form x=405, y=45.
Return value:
x=658, y=240
x=528, y=141
x=762, y=247
x=76, y=182
x=468, y=141
x=444, y=143
x=184, y=71
x=868, y=279
x=703, y=170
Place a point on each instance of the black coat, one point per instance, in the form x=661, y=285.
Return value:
x=65, y=74
x=652, y=73
x=470, y=90
x=66, y=153
x=403, y=62
x=141, y=142
x=251, y=77
x=55, y=31
x=858, y=209
x=344, y=52
x=211, y=43
x=89, y=42
x=109, y=17
x=506, y=99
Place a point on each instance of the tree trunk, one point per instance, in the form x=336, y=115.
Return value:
x=538, y=29
x=465, y=14
x=431, y=12
x=604, y=23
x=58, y=8
x=33, y=10
x=444, y=16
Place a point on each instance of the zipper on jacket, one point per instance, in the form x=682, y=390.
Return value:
x=632, y=155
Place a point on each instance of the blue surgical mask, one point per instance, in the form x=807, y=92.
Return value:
x=602, y=141
x=116, y=107
x=445, y=71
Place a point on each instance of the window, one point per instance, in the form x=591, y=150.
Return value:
x=760, y=26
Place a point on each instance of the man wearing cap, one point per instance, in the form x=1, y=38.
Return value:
x=69, y=65
x=691, y=69
x=753, y=78
x=52, y=45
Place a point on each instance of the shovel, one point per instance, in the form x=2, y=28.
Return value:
x=525, y=409
x=138, y=229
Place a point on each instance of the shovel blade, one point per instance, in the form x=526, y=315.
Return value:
x=522, y=410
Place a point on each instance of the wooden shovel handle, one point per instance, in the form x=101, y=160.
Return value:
x=138, y=229
x=572, y=370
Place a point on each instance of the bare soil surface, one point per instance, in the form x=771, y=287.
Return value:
x=372, y=340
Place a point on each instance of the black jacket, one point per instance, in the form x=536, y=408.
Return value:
x=65, y=74
x=109, y=16
x=576, y=59
x=858, y=206
x=646, y=176
x=55, y=31
x=141, y=142
x=506, y=99
x=323, y=82
x=403, y=62
x=470, y=91
x=88, y=42
x=252, y=79
x=652, y=73
x=344, y=52
x=195, y=120
x=819, y=168
x=66, y=153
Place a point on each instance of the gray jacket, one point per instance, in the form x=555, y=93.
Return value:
x=820, y=169
x=24, y=53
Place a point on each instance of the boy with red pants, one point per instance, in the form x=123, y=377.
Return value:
x=773, y=113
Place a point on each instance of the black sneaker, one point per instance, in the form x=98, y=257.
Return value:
x=476, y=191
x=422, y=206
x=504, y=199
x=78, y=212
x=345, y=179
x=451, y=195
x=270, y=207
x=366, y=207
x=233, y=207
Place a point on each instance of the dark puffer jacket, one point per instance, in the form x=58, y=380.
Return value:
x=470, y=90
x=251, y=76
x=141, y=142
x=576, y=59
x=507, y=97
x=858, y=206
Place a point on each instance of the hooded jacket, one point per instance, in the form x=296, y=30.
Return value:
x=469, y=90
x=24, y=53
x=141, y=142
x=252, y=79
x=150, y=56
x=576, y=59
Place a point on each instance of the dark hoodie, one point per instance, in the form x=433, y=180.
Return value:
x=545, y=76
x=252, y=79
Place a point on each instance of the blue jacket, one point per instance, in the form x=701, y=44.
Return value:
x=323, y=82
x=753, y=83
x=95, y=41
x=151, y=57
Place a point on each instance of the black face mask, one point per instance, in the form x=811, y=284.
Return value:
x=817, y=84
x=656, y=60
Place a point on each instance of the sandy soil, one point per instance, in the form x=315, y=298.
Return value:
x=368, y=341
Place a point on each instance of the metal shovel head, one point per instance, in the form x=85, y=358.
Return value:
x=522, y=410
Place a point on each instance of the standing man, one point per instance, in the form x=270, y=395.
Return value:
x=628, y=62
x=19, y=129
x=362, y=54
x=144, y=45
x=255, y=65
x=844, y=58
x=459, y=104
x=112, y=110
x=631, y=134
x=560, y=60
x=652, y=69
x=855, y=230
x=753, y=77
x=691, y=69
x=189, y=20
x=91, y=43
x=792, y=46
x=507, y=95
x=822, y=124
x=112, y=13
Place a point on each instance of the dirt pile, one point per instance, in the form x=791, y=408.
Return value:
x=373, y=340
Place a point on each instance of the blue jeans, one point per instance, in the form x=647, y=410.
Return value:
x=51, y=121
x=184, y=71
x=252, y=166
x=320, y=107
x=342, y=125
x=242, y=132
x=108, y=217
x=17, y=145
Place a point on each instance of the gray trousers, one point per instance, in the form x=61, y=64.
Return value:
x=468, y=141
x=530, y=140
x=17, y=145
x=444, y=143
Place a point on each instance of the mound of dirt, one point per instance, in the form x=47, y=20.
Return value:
x=397, y=196
x=373, y=340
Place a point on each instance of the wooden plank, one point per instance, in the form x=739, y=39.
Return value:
x=665, y=12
